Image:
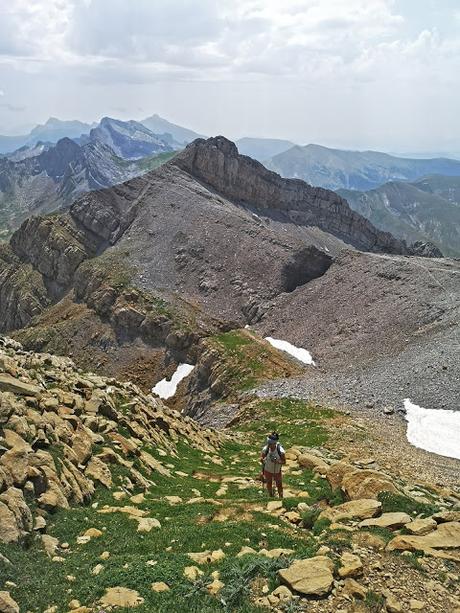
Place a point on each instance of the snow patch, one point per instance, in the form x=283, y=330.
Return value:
x=434, y=430
x=301, y=354
x=166, y=388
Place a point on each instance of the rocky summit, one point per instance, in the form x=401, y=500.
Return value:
x=109, y=499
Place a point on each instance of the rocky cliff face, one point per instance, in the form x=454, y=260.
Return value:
x=216, y=162
x=60, y=437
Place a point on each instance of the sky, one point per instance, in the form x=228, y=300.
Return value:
x=357, y=74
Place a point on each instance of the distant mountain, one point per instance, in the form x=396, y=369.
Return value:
x=361, y=170
x=57, y=176
x=130, y=140
x=163, y=127
x=28, y=151
x=262, y=148
x=51, y=131
x=427, y=210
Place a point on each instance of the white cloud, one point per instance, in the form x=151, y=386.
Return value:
x=351, y=59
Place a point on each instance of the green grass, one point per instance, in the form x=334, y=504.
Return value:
x=392, y=502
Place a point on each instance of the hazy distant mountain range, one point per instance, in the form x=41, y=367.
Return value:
x=361, y=170
x=54, y=129
x=413, y=198
x=427, y=209
x=59, y=174
x=262, y=149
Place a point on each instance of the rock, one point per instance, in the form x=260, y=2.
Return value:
x=369, y=540
x=312, y=576
x=245, y=550
x=354, y=509
x=446, y=536
x=74, y=604
x=7, y=604
x=121, y=597
x=350, y=565
x=336, y=472
x=39, y=523
x=282, y=593
x=353, y=589
x=274, y=505
x=416, y=605
x=312, y=462
x=275, y=553
x=392, y=521
x=446, y=516
x=50, y=544
x=421, y=527
x=160, y=586
x=146, y=524
x=215, y=587
x=99, y=471
x=392, y=604
x=206, y=557
x=97, y=569
x=15, y=386
x=138, y=499
x=173, y=499
x=93, y=533
x=82, y=445
x=366, y=484
x=192, y=573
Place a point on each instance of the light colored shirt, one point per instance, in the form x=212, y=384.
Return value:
x=272, y=458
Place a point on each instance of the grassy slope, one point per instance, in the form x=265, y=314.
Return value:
x=185, y=528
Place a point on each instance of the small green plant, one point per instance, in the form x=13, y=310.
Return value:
x=374, y=602
x=239, y=575
x=321, y=525
x=310, y=517
x=392, y=502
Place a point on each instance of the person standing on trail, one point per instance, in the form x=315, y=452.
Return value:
x=273, y=457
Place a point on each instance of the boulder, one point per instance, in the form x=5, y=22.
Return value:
x=393, y=521
x=121, y=597
x=206, y=557
x=350, y=565
x=15, y=386
x=14, y=499
x=312, y=576
x=354, y=509
x=14, y=463
x=312, y=462
x=421, y=527
x=366, y=484
x=7, y=604
x=82, y=445
x=445, y=516
x=353, y=589
x=9, y=530
x=336, y=472
x=99, y=471
x=446, y=536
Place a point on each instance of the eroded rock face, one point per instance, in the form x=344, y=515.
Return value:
x=52, y=416
x=216, y=161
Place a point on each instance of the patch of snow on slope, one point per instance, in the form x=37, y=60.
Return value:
x=167, y=388
x=434, y=430
x=301, y=354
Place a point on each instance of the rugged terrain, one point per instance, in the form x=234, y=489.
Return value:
x=132, y=280
x=130, y=140
x=111, y=500
x=55, y=176
x=427, y=210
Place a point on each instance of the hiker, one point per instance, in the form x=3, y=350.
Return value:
x=273, y=457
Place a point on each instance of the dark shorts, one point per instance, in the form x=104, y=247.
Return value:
x=276, y=477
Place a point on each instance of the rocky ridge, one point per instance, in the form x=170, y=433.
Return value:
x=46, y=404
